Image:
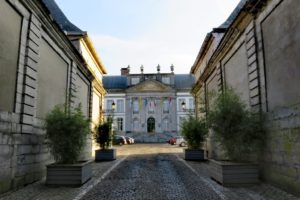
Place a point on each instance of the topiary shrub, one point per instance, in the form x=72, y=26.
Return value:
x=66, y=131
x=238, y=130
x=194, y=131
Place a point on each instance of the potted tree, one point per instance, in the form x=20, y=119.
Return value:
x=194, y=131
x=103, y=136
x=67, y=131
x=240, y=134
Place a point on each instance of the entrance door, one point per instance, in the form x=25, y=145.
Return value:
x=151, y=125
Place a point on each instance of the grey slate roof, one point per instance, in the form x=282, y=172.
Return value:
x=60, y=18
x=234, y=14
x=184, y=81
x=115, y=82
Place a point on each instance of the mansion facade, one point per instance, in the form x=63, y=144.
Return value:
x=148, y=107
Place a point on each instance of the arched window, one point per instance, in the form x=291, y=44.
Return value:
x=151, y=125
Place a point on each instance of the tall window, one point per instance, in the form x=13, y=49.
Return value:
x=135, y=125
x=166, y=106
x=152, y=106
x=191, y=103
x=179, y=104
x=120, y=124
x=135, y=106
x=120, y=105
x=108, y=104
x=165, y=125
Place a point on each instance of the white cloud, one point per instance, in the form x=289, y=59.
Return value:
x=176, y=39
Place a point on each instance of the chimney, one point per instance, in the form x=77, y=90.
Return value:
x=125, y=71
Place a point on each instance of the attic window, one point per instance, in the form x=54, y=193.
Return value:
x=166, y=80
x=135, y=81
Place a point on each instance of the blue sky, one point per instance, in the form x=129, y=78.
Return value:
x=147, y=32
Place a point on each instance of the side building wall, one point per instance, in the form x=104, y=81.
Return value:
x=39, y=69
x=260, y=62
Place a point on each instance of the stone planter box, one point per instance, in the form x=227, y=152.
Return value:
x=69, y=174
x=193, y=154
x=105, y=155
x=233, y=174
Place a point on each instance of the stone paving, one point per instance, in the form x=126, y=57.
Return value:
x=148, y=171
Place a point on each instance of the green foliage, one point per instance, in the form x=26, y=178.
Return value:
x=103, y=133
x=238, y=130
x=194, y=131
x=67, y=131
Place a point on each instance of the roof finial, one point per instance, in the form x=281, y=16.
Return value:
x=158, y=68
x=172, y=68
x=142, y=69
x=128, y=68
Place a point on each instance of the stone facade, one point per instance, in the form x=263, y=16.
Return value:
x=148, y=106
x=257, y=56
x=44, y=68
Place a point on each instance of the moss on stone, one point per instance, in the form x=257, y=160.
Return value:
x=5, y=186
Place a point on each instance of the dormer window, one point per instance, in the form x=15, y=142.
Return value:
x=135, y=81
x=166, y=80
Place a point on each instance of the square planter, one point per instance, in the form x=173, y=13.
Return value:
x=69, y=174
x=233, y=174
x=193, y=154
x=105, y=155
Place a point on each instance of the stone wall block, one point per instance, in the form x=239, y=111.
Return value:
x=253, y=75
x=30, y=82
x=251, y=42
x=28, y=149
x=35, y=21
x=296, y=135
x=252, y=67
x=32, y=64
x=251, y=59
x=28, y=110
x=29, y=100
x=34, y=38
x=4, y=116
x=254, y=100
x=25, y=159
x=5, y=127
x=15, y=118
x=31, y=73
x=30, y=91
x=254, y=92
x=27, y=119
x=14, y=128
x=6, y=151
x=31, y=54
x=253, y=84
x=35, y=29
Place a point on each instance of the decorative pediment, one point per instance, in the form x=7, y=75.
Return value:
x=150, y=86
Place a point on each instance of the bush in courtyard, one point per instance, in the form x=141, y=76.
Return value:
x=194, y=131
x=103, y=133
x=67, y=131
x=238, y=130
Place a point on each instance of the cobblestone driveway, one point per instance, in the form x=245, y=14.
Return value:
x=160, y=176
x=148, y=171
